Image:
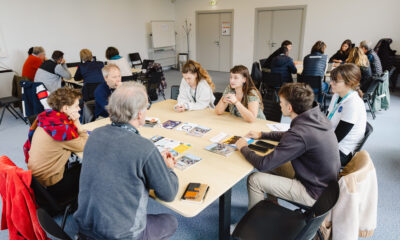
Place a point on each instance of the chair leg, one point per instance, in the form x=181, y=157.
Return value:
x=10, y=107
x=12, y=113
x=2, y=114
x=371, y=110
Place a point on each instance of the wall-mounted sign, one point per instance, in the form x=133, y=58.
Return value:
x=226, y=28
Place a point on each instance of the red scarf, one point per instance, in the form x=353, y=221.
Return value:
x=56, y=124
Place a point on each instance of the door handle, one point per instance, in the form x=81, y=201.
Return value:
x=216, y=42
x=273, y=44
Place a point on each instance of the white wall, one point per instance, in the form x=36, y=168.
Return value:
x=330, y=21
x=72, y=25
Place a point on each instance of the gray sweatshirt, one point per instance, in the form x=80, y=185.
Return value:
x=50, y=74
x=311, y=146
x=118, y=169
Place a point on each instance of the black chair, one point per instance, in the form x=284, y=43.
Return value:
x=315, y=82
x=174, y=92
x=267, y=220
x=272, y=110
x=153, y=86
x=146, y=63
x=392, y=78
x=50, y=226
x=52, y=206
x=262, y=62
x=73, y=64
x=135, y=59
x=128, y=78
x=256, y=74
x=88, y=91
x=369, y=95
x=271, y=82
x=88, y=111
x=218, y=96
x=7, y=103
x=368, y=130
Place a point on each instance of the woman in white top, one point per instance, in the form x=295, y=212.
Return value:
x=196, y=89
x=347, y=110
x=113, y=57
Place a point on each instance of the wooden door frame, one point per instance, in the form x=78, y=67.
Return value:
x=303, y=22
x=231, y=11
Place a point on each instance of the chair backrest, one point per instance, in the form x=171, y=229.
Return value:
x=319, y=210
x=218, y=96
x=174, y=92
x=262, y=62
x=373, y=85
x=256, y=74
x=44, y=199
x=273, y=80
x=368, y=130
x=153, y=83
x=88, y=111
x=315, y=82
x=135, y=59
x=272, y=110
x=50, y=226
x=73, y=64
x=146, y=63
x=88, y=91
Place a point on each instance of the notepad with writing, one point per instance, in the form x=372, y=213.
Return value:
x=195, y=192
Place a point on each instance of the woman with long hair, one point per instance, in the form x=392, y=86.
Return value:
x=241, y=96
x=347, y=110
x=358, y=57
x=343, y=53
x=196, y=89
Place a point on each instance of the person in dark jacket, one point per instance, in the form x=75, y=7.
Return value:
x=310, y=145
x=284, y=65
x=358, y=57
x=373, y=58
x=90, y=71
x=268, y=62
x=343, y=53
x=112, y=78
x=118, y=170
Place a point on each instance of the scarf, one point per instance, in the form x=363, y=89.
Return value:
x=116, y=57
x=57, y=126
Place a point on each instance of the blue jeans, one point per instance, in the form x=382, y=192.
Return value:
x=324, y=89
x=159, y=227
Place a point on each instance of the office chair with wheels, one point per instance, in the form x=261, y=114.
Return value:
x=267, y=220
x=50, y=226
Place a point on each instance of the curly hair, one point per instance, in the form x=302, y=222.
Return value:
x=195, y=67
x=63, y=97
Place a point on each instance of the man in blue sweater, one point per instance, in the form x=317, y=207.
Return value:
x=118, y=170
x=112, y=77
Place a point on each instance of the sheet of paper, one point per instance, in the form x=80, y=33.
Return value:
x=280, y=127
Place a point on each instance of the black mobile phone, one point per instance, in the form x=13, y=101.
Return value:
x=265, y=144
x=258, y=148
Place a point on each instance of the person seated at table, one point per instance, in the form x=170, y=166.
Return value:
x=347, y=110
x=285, y=44
x=343, y=53
x=33, y=62
x=120, y=167
x=284, y=65
x=315, y=64
x=51, y=72
x=196, y=89
x=241, y=96
x=358, y=57
x=90, y=71
x=52, y=138
x=113, y=57
x=310, y=144
x=112, y=77
x=373, y=58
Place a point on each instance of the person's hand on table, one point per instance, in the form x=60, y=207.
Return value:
x=169, y=160
x=180, y=108
x=230, y=98
x=241, y=143
x=253, y=134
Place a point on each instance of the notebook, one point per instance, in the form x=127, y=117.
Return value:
x=195, y=192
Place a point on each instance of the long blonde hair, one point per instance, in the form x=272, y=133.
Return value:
x=195, y=67
x=358, y=57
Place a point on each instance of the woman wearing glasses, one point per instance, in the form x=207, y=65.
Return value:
x=347, y=110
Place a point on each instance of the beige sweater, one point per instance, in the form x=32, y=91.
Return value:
x=47, y=157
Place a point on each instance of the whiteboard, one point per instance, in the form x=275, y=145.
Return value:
x=163, y=33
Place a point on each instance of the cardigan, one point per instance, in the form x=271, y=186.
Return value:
x=47, y=157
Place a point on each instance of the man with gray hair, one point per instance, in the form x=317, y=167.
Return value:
x=373, y=58
x=112, y=77
x=118, y=170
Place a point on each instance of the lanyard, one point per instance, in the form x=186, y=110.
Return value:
x=337, y=103
x=194, y=97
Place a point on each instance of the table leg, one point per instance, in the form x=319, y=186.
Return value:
x=225, y=215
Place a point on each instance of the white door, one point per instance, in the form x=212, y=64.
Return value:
x=214, y=34
x=275, y=26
